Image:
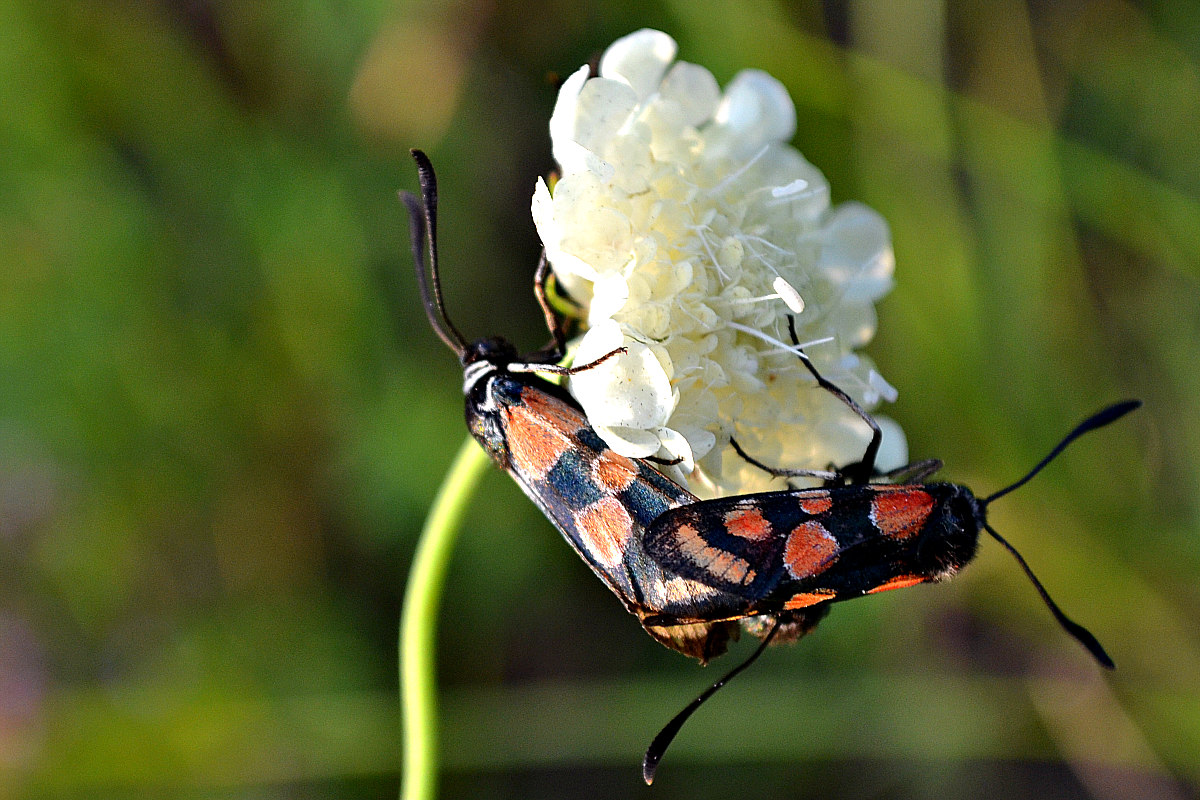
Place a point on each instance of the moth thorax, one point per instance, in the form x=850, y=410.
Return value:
x=951, y=534
x=484, y=418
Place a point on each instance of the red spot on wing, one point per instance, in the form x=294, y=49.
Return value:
x=613, y=472
x=806, y=599
x=604, y=528
x=809, y=549
x=535, y=440
x=564, y=415
x=748, y=523
x=901, y=513
x=816, y=505
x=899, y=582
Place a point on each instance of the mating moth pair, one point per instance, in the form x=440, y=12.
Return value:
x=692, y=570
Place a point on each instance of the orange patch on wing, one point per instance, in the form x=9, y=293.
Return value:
x=806, y=599
x=816, y=505
x=614, y=472
x=809, y=548
x=901, y=513
x=536, y=441
x=748, y=523
x=720, y=563
x=604, y=527
x=566, y=417
x=899, y=582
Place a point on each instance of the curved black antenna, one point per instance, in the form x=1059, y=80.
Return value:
x=658, y=747
x=1080, y=633
x=1097, y=420
x=422, y=216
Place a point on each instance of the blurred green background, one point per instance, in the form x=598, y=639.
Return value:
x=223, y=416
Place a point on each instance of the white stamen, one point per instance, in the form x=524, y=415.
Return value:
x=768, y=243
x=737, y=326
x=795, y=187
x=739, y=172
x=741, y=301
x=788, y=294
x=712, y=256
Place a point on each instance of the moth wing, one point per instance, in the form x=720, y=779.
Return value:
x=753, y=546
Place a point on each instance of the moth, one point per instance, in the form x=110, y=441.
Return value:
x=693, y=570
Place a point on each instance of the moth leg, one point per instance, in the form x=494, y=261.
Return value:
x=557, y=348
x=860, y=472
x=828, y=476
x=544, y=360
x=916, y=472
x=556, y=369
x=865, y=468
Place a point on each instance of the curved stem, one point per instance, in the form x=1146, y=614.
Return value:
x=418, y=623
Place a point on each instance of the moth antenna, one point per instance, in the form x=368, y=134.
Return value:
x=1080, y=633
x=658, y=747
x=422, y=215
x=1097, y=420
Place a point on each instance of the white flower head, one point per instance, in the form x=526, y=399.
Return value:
x=691, y=230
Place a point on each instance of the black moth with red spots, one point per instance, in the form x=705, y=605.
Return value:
x=695, y=571
x=793, y=550
x=600, y=501
x=791, y=554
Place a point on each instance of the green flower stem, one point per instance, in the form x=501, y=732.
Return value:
x=418, y=623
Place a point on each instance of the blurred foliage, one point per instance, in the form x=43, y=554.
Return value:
x=222, y=414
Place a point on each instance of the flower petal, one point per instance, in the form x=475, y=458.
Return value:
x=893, y=450
x=588, y=228
x=639, y=60
x=569, y=268
x=610, y=292
x=602, y=108
x=630, y=442
x=674, y=445
x=857, y=253
x=757, y=107
x=570, y=156
x=628, y=390
x=695, y=90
